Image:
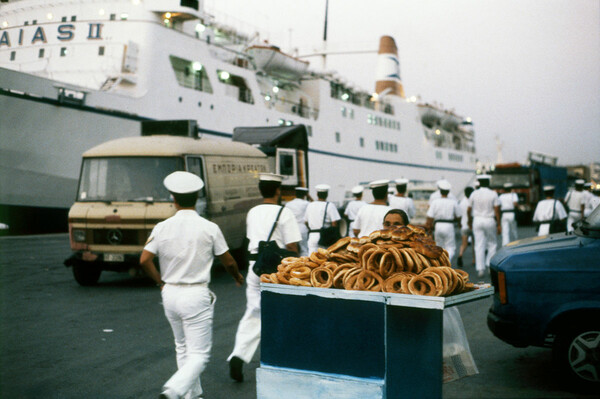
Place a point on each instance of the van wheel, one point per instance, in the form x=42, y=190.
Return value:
x=577, y=354
x=86, y=274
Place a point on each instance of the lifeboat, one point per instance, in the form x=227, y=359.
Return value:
x=450, y=121
x=430, y=115
x=272, y=61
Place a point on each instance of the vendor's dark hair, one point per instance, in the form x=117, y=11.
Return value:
x=468, y=191
x=400, y=212
x=380, y=193
x=444, y=192
x=268, y=188
x=186, y=200
x=484, y=182
x=322, y=194
x=300, y=194
x=401, y=188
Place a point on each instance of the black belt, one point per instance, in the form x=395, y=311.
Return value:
x=444, y=221
x=508, y=211
x=252, y=256
x=314, y=231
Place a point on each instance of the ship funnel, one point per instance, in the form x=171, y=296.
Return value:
x=388, y=68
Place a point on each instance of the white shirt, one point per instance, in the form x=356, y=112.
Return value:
x=298, y=208
x=507, y=201
x=370, y=218
x=482, y=202
x=574, y=200
x=260, y=220
x=186, y=244
x=543, y=211
x=437, y=194
x=464, y=217
x=315, y=212
x=404, y=203
x=444, y=209
x=353, y=207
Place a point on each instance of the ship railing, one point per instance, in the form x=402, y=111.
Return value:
x=299, y=108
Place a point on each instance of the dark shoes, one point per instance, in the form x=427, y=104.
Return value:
x=235, y=369
x=459, y=261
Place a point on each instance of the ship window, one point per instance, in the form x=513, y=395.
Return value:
x=113, y=17
x=101, y=50
x=191, y=74
x=309, y=130
x=13, y=55
x=236, y=86
x=343, y=111
x=73, y=18
x=64, y=19
x=26, y=23
x=34, y=22
x=63, y=51
x=369, y=119
x=337, y=137
x=351, y=114
x=41, y=53
x=361, y=142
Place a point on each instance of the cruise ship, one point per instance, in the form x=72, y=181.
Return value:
x=76, y=73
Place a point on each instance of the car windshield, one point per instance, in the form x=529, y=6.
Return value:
x=517, y=179
x=126, y=178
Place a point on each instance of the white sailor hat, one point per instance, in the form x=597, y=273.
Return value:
x=183, y=183
x=444, y=185
x=270, y=177
x=580, y=182
x=401, y=181
x=440, y=182
x=483, y=177
x=322, y=188
x=379, y=183
x=587, y=184
x=548, y=188
x=303, y=189
x=508, y=185
x=357, y=189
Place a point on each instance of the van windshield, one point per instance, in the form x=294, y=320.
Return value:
x=126, y=178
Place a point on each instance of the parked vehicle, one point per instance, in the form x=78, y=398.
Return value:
x=547, y=294
x=121, y=197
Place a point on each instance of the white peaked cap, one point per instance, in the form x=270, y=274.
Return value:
x=270, y=177
x=303, y=189
x=441, y=181
x=357, y=189
x=508, y=185
x=401, y=181
x=379, y=183
x=587, y=184
x=548, y=188
x=483, y=177
x=183, y=183
x=322, y=188
x=579, y=181
x=444, y=185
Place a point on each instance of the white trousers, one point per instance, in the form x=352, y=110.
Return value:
x=313, y=242
x=484, y=233
x=303, y=245
x=444, y=236
x=247, y=337
x=189, y=309
x=509, y=227
x=572, y=218
x=544, y=229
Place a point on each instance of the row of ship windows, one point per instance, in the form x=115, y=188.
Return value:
x=372, y=119
x=63, y=52
x=451, y=156
x=112, y=17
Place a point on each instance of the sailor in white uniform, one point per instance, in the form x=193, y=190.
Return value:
x=508, y=204
x=259, y=223
x=547, y=210
x=353, y=207
x=298, y=207
x=593, y=202
x=588, y=197
x=400, y=200
x=465, y=232
x=443, y=212
x=484, y=220
x=320, y=214
x=436, y=194
x=186, y=245
x=575, y=203
x=370, y=217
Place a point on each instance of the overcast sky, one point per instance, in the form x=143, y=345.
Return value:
x=525, y=71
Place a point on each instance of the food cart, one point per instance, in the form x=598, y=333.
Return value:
x=331, y=343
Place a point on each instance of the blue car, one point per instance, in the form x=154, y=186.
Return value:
x=547, y=294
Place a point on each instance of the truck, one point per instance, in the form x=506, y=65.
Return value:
x=528, y=182
x=120, y=196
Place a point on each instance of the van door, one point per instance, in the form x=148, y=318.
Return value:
x=194, y=164
x=286, y=164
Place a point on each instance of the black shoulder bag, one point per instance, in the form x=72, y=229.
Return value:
x=329, y=235
x=269, y=254
x=557, y=225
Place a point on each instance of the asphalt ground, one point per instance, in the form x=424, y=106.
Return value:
x=61, y=340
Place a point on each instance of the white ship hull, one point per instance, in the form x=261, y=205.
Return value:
x=42, y=139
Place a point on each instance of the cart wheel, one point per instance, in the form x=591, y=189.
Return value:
x=577, y=354
x=86, y=274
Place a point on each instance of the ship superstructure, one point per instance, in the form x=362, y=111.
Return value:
x=74, y=74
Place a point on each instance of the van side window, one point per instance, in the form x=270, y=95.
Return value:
x=194, y=165
x=286, y=164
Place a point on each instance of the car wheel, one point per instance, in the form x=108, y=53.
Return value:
x=85, y=274
x=577, y=354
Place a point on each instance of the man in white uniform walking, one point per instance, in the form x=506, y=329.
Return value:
x=436, y=194
x=484, y=220
x=400, y=200
x=186, y=244
x=547, y=210
x=443, y=212
x=259, y=222
x=320, y=214
x=370, y=217
x=575, y=202
x=353, y=207
x=298, y=207
x=508, y=204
